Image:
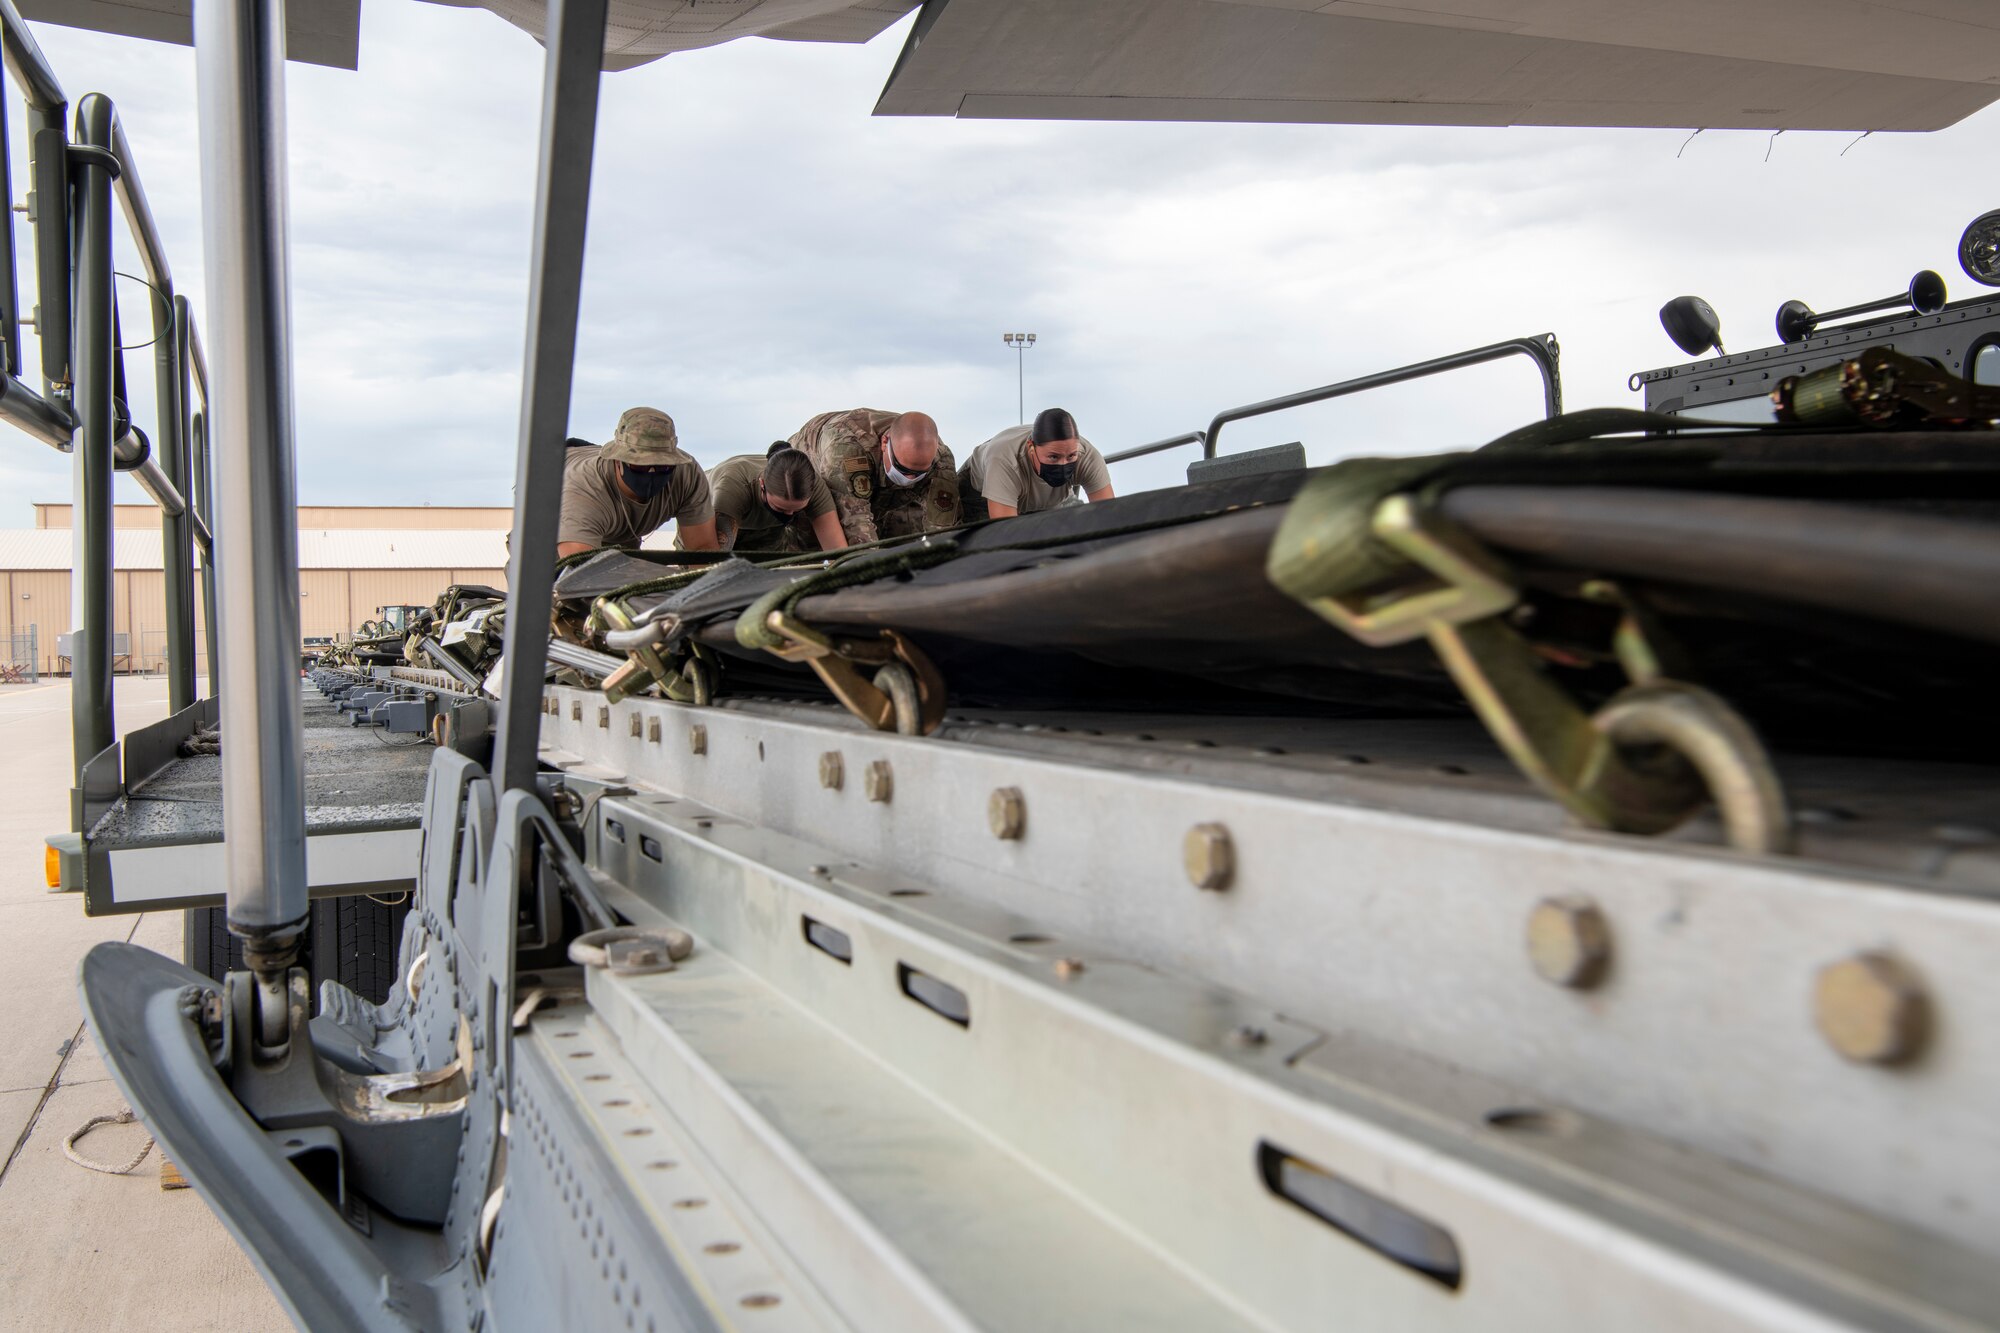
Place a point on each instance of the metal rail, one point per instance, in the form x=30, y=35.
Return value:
x=171, y=462
x=579, y=658
x=81, y=408
x=43, y=415
x=240, y=88
x=452, y=667
x=1542, y=349
x=575, y=41
x=1158, y=446
x=195, y=369
x=95, y=360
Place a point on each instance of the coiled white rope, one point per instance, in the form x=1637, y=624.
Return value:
x=124, y=1117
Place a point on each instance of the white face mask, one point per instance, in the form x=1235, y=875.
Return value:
x=898, y=477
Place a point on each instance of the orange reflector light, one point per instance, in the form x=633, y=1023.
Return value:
x=52, y=866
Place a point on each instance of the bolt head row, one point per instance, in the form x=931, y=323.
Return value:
x=1871, y=1009
x=1569, y=942
x=1209, y=856
x=1007, y=813
x=878, y=781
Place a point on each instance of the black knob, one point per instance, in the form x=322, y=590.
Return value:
x=1691, y=323
x=1795, y=322
x=1927, y=293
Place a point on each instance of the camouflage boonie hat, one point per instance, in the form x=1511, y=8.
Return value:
x=646, y=438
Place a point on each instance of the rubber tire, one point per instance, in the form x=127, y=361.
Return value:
x=351, y=940
x=354, y=941
x=209, y=947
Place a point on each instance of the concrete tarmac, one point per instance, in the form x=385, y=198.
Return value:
x=80, y=1250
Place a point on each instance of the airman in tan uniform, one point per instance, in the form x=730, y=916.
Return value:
x=616, y=494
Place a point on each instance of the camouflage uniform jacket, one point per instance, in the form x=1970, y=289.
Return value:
x=846, y=448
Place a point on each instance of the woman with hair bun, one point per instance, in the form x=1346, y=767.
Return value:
x=773, y=505
x=1024, y=469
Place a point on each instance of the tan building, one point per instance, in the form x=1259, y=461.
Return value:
x=353, y=560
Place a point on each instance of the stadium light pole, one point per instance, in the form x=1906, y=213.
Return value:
x=1020, y=342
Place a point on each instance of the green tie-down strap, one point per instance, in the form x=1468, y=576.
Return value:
x=1337, y=550
x=1594, y=423
x=753, y=629
x=1328, y=552
x=1363, y=548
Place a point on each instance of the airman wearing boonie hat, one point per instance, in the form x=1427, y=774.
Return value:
x=614, y=494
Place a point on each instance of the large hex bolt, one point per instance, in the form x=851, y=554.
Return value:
x=832, y=772
x=1209, y=856
x=878, y=781
x=1007, y=813
x=1569, y=942
x=1871, y=1009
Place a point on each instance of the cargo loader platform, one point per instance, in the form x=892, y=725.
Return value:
x=154, y=814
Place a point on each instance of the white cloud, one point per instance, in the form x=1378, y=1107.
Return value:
x=763, y=250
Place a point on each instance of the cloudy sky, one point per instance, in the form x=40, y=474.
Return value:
x=762, y=250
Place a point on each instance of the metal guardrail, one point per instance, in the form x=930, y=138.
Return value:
x=1542, y=349
x=1158, y=446
x=22, y=662
x=74, y=177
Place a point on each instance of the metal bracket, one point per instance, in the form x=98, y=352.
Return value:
x=906, y=694
x=690, y=680
x=1644, y=763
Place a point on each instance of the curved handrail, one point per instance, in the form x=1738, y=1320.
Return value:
x=1157, y=446
x=1542, y=349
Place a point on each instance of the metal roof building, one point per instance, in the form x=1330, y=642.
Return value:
x=352, y=561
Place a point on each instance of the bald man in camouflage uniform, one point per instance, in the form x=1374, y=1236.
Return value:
x=889, y=473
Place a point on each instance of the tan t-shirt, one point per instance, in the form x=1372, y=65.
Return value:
x=598, y=514
x=1000, y=471
x=758, y=527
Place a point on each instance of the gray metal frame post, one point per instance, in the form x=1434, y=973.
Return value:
x=198, y=436
x=93, y=360
x=176, y=530
x=169, y=445
x=10, y=284
x=201, y=498
x=240, y=88
x=48, y=175
x=575, y=42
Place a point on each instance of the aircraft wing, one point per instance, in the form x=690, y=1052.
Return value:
x=318, y=32
x=1719, y=64
x=1762, y=64
x=644, y=30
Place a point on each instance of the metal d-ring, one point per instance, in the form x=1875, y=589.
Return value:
x=900, y=684
x=1719, y=745
x=627, y=951
x=700, y=679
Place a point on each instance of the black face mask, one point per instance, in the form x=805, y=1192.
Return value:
x=1057, y=475
x=646, y=482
